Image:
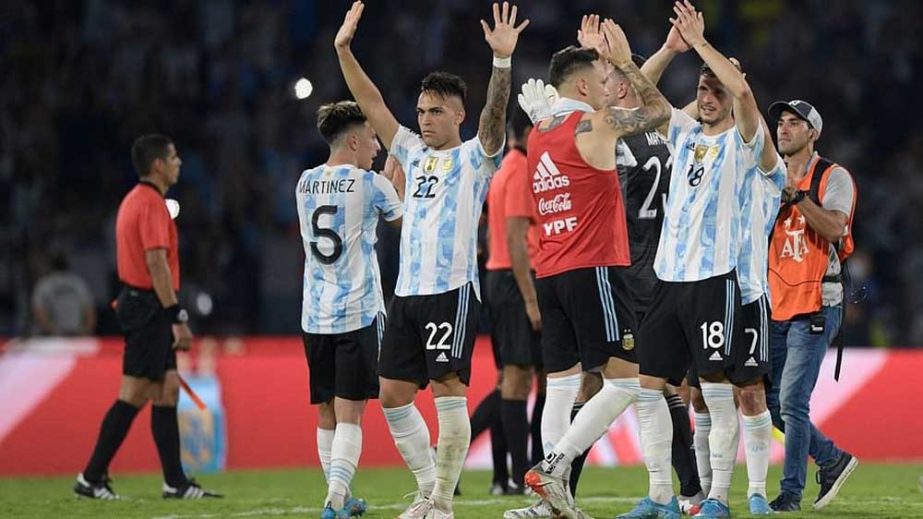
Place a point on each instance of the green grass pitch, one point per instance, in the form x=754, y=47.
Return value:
x=872, y=491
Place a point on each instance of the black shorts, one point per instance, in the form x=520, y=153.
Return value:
x=148, y=334
x=588, y=316
x=691, y=325
x=511, y=330
x=750, y=356
x=344, y=365
x=430, y=336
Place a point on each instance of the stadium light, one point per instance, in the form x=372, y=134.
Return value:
x=303, y=88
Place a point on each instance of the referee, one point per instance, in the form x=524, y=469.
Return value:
x=153, y=323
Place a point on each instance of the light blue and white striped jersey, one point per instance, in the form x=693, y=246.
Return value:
x=701, y=232
x=442, y=204
x=759, y=199
x=339, y=207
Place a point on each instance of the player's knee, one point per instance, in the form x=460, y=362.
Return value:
x=395, y=393
x=135, y=390
x=751, y=398
x=517, y=382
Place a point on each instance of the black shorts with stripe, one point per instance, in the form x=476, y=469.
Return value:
x=588, y=316
x=691, y=326
x=430, y=336
x=750, y=356
x=344, y=365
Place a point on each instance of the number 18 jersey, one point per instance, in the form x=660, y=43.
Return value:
x=338, y=208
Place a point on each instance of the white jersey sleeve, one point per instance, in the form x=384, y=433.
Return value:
x=385, y=199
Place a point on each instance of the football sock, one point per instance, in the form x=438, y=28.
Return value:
x=165, y=428
x=702, y=451
x=656, y=442
x=516, y=431
x=683, y=455
x=344, y=459
x=112, y=433
x=411, y=437
x=724, y=437
x=757, y=439
x=452, y=448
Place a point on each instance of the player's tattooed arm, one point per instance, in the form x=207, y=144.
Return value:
x=502, y=40
x=492, y=128
x=654, y=110
x=360, y=85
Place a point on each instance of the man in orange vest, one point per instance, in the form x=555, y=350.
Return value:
x=812, y=237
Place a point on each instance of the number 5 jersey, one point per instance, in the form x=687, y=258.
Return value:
x=338, y=208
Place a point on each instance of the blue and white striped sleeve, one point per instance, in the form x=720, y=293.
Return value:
x=385, y=199
x=404, y=144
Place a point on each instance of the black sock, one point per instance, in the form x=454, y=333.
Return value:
x=165, y=427
x=535, y=429
x=485, y=414
x=112, y=433
x=683, y=450
x=516, y=427
x=576, y=467
x=498, y=451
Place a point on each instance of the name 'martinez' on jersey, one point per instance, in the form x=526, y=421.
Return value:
x=339, y=207
x=444, y=196
x=701, y=234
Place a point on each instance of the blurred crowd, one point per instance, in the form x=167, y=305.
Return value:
x=82, y=79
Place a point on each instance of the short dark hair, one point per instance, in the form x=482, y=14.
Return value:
x=146, y=149
x=708, y=72
x=568, y=60
x=333, y=119
x=445, y=84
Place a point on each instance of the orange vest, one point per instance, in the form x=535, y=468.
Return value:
x=799, y=256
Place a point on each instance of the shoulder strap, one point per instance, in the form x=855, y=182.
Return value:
x=820, y=169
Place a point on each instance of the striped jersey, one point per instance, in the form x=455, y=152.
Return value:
x=759, y=204
x=444, y=197
x=338, y=208
x=701, y=232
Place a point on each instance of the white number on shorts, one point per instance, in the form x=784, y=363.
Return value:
x=756, y=337
x=433, y=328
x=712, y=334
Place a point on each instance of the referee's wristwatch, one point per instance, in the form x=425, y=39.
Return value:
x=178, y=315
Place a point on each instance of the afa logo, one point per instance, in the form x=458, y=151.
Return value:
x=796, y=245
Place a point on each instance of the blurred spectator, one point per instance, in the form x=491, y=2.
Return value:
x=62, y=304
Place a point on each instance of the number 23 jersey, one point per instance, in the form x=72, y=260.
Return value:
x=338, y=209
x=444, y=196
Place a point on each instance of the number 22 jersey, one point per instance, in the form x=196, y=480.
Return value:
x=444, y=197
x=338, y=209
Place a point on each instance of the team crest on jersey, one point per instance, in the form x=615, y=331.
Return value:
x=447, y=164
x=628, y=340
x=702, y=151
x=429, y=165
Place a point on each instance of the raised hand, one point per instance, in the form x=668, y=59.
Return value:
x=675, y=41
x=536, y=99
x=617, y=49
x=345, y=35
x=689, y=23
x=589, y=35
x=502, y=39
